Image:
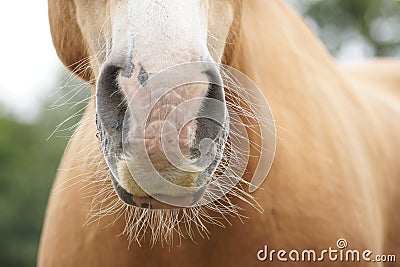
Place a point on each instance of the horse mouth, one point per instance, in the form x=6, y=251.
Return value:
x=149, y=202
x=168, y=162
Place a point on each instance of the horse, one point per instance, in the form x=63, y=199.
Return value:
x=335, y=172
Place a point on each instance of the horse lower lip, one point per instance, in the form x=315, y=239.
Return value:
x=152, y=203
x=149, y=202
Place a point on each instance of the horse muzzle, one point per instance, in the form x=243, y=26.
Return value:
x=163, y=135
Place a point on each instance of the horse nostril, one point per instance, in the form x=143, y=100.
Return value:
x=110, y=103
x=215, y=90
x=212, y=116
x=108, y=79
x=212, y=127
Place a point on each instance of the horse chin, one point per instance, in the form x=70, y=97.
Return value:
x=188, y=193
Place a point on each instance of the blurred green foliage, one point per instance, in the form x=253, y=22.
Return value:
x=27, y=164
x=373, y=24
x=29, y=156
x=28, y=161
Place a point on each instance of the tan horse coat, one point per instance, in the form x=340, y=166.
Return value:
x=336, y=172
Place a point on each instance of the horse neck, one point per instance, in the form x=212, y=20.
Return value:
x=313, y=104
x=283, y=56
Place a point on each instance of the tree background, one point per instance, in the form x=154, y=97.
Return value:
x=362, y=27
x=29, y=157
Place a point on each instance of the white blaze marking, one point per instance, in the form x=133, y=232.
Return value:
x=164, y=33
